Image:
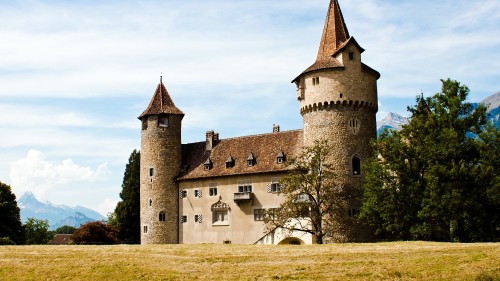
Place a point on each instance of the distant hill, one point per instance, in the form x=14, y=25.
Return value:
x=394, y=121
x=57, y=215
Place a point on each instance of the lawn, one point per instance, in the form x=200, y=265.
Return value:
x=379, y=261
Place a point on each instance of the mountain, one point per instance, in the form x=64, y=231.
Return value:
x=493, y=103
x=57, y=215
x=394, y=121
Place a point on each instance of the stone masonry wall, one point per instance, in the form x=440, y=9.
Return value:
x=160, y=151
x=342, y=108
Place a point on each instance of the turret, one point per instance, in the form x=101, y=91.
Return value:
x=338, y=102
x=160, y=164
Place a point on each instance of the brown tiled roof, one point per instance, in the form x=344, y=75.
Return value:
x=335, y=32
x=161, y=103
x=334, y=39
x=265, y=148
x=60, y=239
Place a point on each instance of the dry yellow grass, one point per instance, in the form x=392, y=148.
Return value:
x=380, y=261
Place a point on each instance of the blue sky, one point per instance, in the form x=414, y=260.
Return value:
x=74, y=75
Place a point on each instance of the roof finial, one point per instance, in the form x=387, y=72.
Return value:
x=161, y=75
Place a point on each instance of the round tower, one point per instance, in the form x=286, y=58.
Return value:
x=338, y=102
x=160, y=164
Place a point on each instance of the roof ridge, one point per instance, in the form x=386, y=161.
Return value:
x=255, y=135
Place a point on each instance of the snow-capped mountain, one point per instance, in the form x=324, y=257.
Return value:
x=395, y=121
x=392, y=121
x=57, y=215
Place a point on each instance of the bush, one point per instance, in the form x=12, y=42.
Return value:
x=95, y=233
x=6, y=241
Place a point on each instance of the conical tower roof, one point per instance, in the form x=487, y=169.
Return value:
x=335, y=37
x=335, y=32
x=161, y=103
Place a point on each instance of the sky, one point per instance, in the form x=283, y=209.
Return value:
x=75, y=75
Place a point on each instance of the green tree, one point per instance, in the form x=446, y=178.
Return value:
x=312, y=196
x=95, y=233
x=126, y=216
x=10, y=218
x=65, y=229
x=37, y=231
x=431, y=180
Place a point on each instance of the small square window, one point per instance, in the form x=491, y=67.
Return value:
x=315, y=80
x=258, y=214
x=183, y=219
x=353, y=213
x=212, y=191
x=245, y=186
x=198, y=218
x=162, y=216
x=198, y=193
x=163, y=121
x=183, y=194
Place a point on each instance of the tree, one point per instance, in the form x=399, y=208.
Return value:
x=431, y=180
x=95, y=233
x=312, y=196
x=37, y=231
x=126, y=217
x=10, y=218
x=65, y=229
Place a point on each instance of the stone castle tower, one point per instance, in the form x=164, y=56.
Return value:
x=338, y=102
x=160, y=164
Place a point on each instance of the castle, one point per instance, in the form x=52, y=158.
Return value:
x=217, y=190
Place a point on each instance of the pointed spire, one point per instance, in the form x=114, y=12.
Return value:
x=334, y=39
x=161, y=103
x=335, y=32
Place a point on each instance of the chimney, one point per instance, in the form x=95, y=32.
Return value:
x=276, y=128
x=210, y=140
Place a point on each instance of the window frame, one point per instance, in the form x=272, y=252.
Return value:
x=245, y=186
x=162, y=216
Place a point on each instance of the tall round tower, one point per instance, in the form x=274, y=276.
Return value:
x=160, y=164
x=338, y=102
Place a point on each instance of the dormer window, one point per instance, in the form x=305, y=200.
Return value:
x=163, y=121
x=208, y=164
x=351, y=56
x=250, y=160
x=280, y=159
x=230, y=162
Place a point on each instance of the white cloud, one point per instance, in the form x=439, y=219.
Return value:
x=37, y=174
x=106, y=206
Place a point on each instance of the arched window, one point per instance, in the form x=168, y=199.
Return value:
x=354, y=125
x=356, y=166
x=162, y=216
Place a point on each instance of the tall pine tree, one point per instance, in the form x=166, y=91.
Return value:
x=436, y=179
x=127, y=211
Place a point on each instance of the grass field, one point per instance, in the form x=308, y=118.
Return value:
x=380, y=261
